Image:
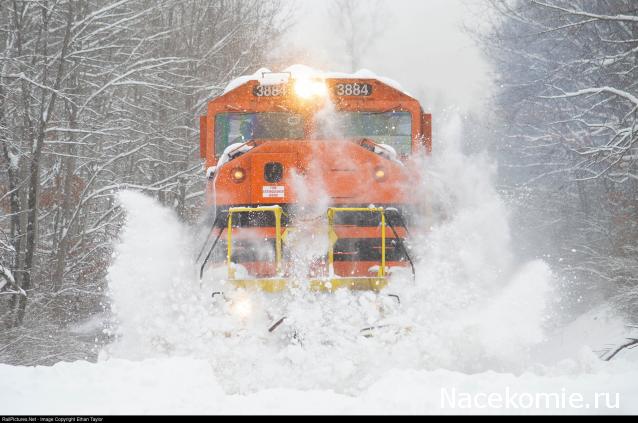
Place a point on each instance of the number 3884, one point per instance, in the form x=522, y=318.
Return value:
x=353, y=89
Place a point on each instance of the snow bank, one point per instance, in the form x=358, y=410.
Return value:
x=157, y=302
x=189, y=386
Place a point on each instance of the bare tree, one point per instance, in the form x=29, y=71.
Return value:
x=359, y=24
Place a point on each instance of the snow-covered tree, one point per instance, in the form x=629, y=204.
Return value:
x=96, y=96
x=568, y=103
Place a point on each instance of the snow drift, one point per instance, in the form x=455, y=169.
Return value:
x=189, y=386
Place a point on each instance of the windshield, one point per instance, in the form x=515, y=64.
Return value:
x=233, y=128
x=391, y=128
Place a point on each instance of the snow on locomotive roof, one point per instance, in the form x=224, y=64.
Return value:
x=266, y=77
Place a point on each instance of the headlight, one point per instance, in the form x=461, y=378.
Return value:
x=379, y=174
x=241, y=308
x=307, y=88
x=238, y=175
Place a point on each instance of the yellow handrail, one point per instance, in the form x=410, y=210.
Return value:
x=331, y=214
x=229, y=249
x=277, y=211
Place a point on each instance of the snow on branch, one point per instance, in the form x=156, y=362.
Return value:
x=623, y=18
x=631, y=343
x=624, y=94
x=23, y=77
x=8, y=283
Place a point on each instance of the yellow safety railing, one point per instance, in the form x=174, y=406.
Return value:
x=277, y=211
x=279, y=282
x=333, y=236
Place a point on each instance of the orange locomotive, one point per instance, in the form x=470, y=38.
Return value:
x=296, y=162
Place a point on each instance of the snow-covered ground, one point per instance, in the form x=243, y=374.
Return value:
x=476, y=332
x=190, y=386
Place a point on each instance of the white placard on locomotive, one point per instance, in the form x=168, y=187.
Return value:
x=273, y=191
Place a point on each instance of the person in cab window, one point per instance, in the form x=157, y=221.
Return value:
x=245, y=132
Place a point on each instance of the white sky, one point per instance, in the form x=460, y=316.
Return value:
x=423, y=47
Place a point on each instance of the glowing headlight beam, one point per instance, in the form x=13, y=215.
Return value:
x=308, y=88
x=242, y=308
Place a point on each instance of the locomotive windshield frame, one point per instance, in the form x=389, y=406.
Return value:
x=309, y=100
